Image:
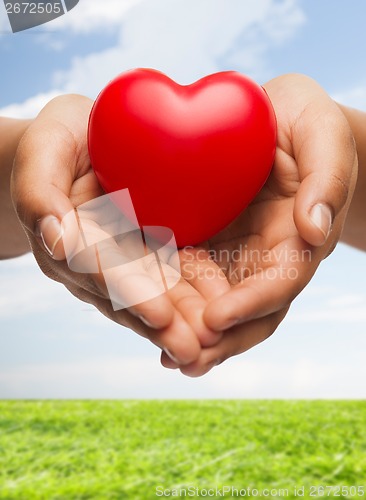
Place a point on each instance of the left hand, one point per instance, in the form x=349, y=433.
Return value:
x=51, y=176
x=272, y=250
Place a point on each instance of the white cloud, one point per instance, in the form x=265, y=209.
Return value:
x=354, y=97
x=94, y=15
x=293, y=364
x=142, y=377
x=291, y=378
x=31, y=107
x=338, y=307
x=347, y=300
x=88, y=16
x=80, y=379
x=25, y=290
x=184, y=38
x=188, y=39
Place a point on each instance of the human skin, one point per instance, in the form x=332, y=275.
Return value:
x=14, y=241
x=315, y=164
x=204, y=319
x=52, y=175
x=354, y=229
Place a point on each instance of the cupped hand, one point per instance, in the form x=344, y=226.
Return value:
x=52, y=176
x=272, y=250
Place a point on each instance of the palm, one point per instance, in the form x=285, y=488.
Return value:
x=252, y=252
x=234, y=288
x=271, y=251
x=264, y=235
x=266, y=227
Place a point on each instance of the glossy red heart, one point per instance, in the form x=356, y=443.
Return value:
x=193, y=157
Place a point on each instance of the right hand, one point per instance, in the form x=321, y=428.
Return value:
x=51, y=176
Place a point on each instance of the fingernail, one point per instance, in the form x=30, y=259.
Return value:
x=321, y=216
x=231, y=323
x=51, y=232
x=171, y=356
x=147, y=322
x=214, y=363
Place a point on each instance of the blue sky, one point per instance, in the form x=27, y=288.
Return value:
x=52, y=345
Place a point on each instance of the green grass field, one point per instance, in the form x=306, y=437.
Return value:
x=127, y=449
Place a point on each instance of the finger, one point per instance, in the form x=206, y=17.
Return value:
x=51, y=155
x=234, y=342
x=325, y=152
x=133, y=280
x=191, y=306
x=182, y=296
x=268, y=290
x=202, y=280
x=201, y=271
x=110, y=249
x=178, y=340
x=168, y=362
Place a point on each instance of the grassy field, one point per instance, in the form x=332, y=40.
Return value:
x=128, y=449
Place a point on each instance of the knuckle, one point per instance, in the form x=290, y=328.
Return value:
x=340, y=188
x=185, y=301
x=194, y=372
x=192, y=270
x=346, y=135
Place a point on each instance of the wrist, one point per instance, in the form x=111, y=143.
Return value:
x=11, y=131
x=354, y=230
x=357, y=122
x=13, y=240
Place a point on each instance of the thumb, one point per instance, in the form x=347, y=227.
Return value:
x=51, y=156
x=326, y=156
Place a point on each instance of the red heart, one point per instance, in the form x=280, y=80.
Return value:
x=193, y=157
